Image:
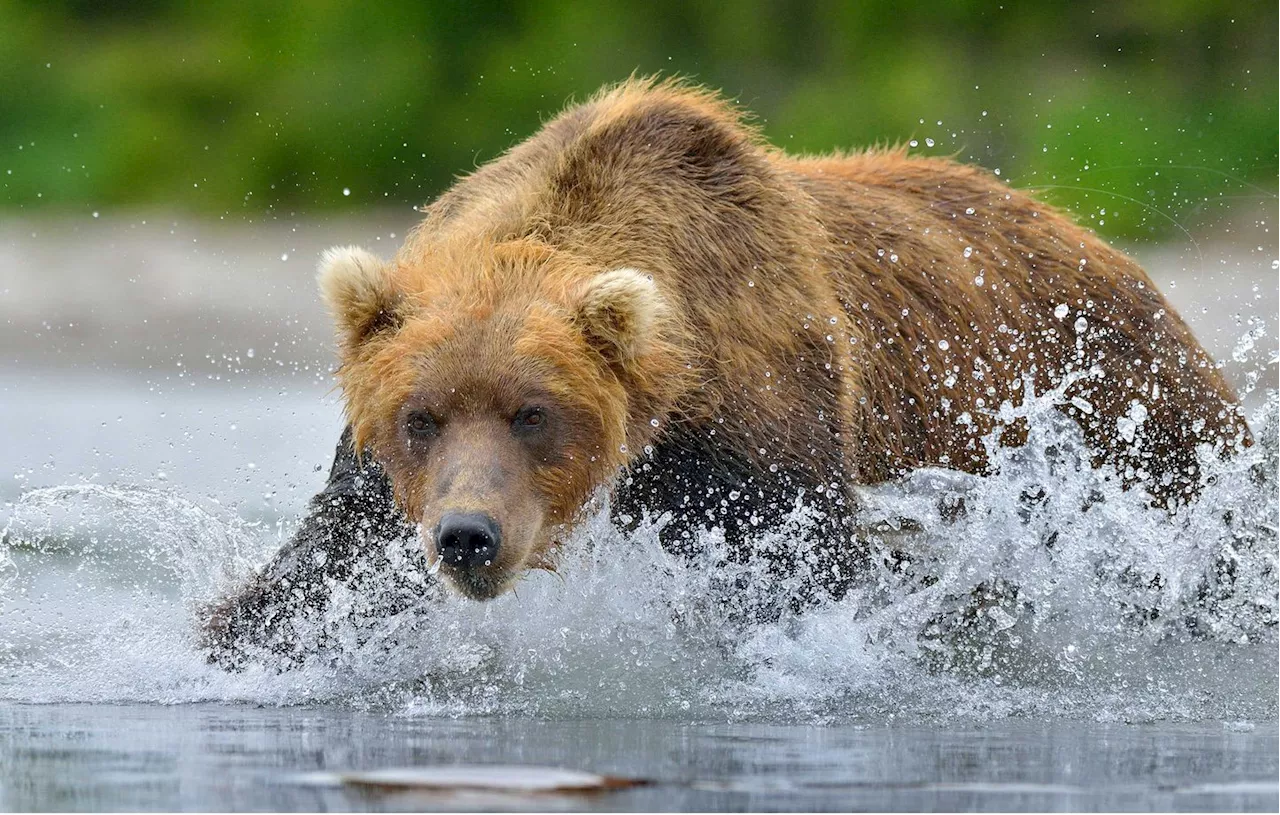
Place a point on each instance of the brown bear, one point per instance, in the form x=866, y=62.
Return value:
x=647, y=298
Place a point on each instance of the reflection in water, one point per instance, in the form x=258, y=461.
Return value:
x=232, y=758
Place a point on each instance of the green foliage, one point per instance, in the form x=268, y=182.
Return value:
x=1148, y=109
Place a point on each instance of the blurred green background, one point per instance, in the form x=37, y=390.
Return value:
x=1136, y=115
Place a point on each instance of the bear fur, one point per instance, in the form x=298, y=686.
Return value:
x=686, y=290
x=720, y=326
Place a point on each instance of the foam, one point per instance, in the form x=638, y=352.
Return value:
x=1053, y=593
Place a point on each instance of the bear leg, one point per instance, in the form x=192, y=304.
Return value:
x=349, y=531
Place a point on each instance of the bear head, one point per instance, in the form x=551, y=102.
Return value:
x=499, y=385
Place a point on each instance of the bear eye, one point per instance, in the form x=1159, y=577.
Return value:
x=420, y=424
x=529, y=419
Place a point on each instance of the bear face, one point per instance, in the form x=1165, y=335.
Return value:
x=496, y=384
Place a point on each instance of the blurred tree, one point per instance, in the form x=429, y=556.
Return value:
x=1137, y=115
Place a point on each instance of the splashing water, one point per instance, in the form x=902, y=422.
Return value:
x=1042, y=589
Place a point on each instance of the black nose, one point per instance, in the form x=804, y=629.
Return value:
x=468, y=540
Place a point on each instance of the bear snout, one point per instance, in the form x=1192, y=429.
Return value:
x=468, y=540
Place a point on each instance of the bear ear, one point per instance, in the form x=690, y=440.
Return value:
x=360, y=294
x=619, y=314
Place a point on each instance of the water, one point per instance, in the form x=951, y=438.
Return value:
x=1034, y=654
x=77, y=757
x=1032, y=640
x=1023, y=605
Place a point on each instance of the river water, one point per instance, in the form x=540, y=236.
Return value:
x=1056, y=645
x=78, y=757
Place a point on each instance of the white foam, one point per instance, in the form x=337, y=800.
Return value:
x=1114, y=612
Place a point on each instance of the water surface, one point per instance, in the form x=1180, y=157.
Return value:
x=192, y=757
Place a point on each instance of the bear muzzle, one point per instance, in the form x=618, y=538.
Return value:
x=468, y=546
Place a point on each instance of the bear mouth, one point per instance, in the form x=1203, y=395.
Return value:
x=474, y=584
